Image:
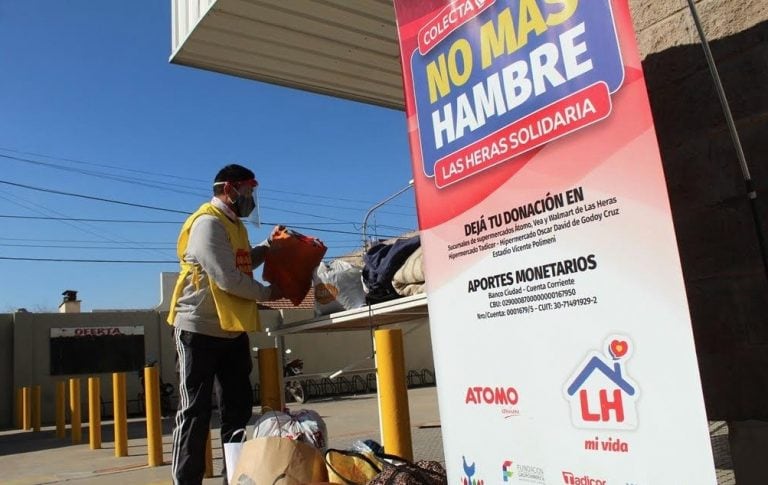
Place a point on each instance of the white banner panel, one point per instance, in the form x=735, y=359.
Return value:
x=560, y=326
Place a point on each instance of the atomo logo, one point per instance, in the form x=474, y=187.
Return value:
x=505, y=398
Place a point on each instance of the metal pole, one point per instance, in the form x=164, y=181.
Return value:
x=208, y=457
x=26, y=399
x=36, y=408
x=74, y=410
x=120, y=414
x=750, y=187
x=152, y=404
x=280, y=344
x=370, y=211
x=94, y=412
x=394, y=416
x=61, y=409
x=19, y=415
x=269, y=381
x=720, y=91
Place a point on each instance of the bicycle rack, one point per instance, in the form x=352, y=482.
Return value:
x=354, y=383
x=311, y=388
x=414, y=378
x=344, y=386
x=359, y=385
x=427, y=377
x=256, y=394
x=328, y=387
x=371, y=380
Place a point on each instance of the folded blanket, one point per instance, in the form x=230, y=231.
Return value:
x=409, y=279
x=381, y=263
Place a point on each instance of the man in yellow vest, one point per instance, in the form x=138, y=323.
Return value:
x=214, y=304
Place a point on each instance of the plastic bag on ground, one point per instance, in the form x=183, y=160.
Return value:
x=304, y=425
x=349, y=467
x=315, y=430
x=369, y=448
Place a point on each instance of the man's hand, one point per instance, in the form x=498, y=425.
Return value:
x=276, y=230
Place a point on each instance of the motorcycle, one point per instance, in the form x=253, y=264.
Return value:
x=291, y=369
x=293, y=387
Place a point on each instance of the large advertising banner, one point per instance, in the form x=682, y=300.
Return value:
x=560, y=327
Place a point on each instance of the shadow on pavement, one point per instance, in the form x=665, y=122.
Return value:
x=12, y=443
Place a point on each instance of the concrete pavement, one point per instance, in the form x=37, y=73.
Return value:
x=41, y=458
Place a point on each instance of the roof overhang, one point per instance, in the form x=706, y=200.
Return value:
x=347, y=49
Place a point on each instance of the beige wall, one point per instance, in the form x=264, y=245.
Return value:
x=661, y=25
x=716, y=230
x=331, y=351
x=326, y=352
x=31, y=361
x=321, y=352
x=7, y=390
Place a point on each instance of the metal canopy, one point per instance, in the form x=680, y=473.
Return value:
x=404, y=309
x=342, y=48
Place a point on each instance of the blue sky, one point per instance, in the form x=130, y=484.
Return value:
x=91, y=106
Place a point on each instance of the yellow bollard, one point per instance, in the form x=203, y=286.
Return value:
x=269, y=381
x=19, y=408
x=393, y=394
x=61, y=409
x=94, y=412
x=36, y=408
x=208, y=457
x=26, y=398
x=154, y=431
x=119, y=407
x=74, y=411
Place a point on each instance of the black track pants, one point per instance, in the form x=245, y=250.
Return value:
x=201, y=360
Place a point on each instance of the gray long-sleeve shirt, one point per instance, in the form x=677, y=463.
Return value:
x=210, y=249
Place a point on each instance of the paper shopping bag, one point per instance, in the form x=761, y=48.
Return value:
x=278, y=461
x=232, y=452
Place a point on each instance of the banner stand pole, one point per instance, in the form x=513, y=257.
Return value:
x=751, y=192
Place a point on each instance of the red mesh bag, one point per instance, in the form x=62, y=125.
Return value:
x=290, y=261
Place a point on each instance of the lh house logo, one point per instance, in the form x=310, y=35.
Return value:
x=600, y=392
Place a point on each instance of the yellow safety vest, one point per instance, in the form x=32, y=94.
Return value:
x=236, y=314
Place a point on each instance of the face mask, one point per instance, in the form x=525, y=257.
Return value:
x=243, y=205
